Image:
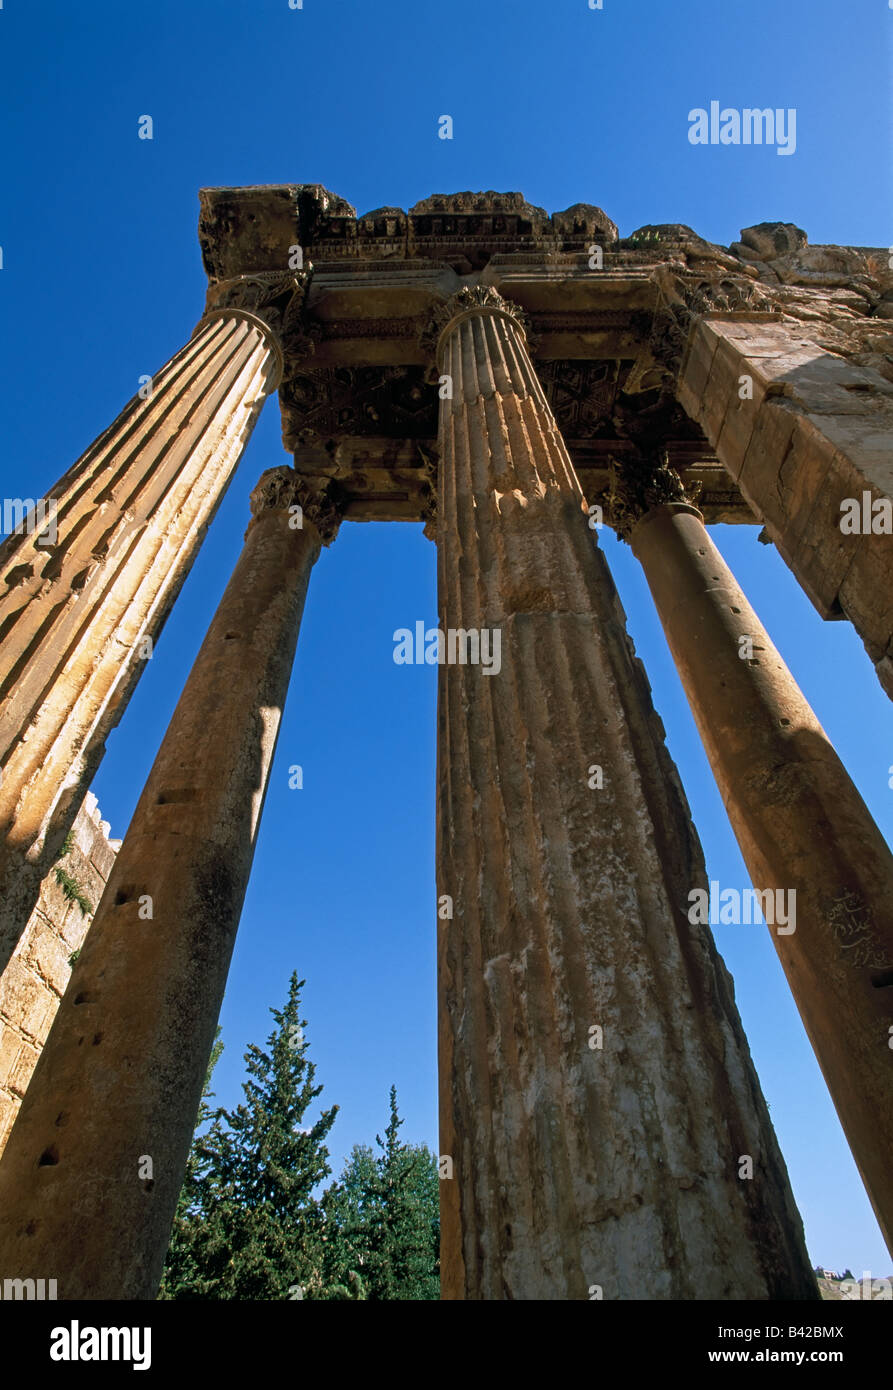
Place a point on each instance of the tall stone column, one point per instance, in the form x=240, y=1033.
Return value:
x=804, y=830
x=120, y=1078
x=597, y=1097
x=129, y=517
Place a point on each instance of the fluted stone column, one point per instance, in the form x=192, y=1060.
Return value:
x=129, y=516
x=597, y=1093
x=802, y=826
x=120, y=1077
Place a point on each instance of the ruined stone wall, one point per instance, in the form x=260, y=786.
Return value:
x=38, y=972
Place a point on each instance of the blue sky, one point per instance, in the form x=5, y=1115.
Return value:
x=102, y=282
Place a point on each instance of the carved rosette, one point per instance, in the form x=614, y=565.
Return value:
x=469, y=302
x=639, y=484
x=279, y=489
x=274, y=300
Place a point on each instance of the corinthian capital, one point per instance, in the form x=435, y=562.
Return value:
x=637, y=486
x=469, y=302
x=281, y=489
x=275, y=301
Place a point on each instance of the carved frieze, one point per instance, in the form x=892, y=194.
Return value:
x=358, y=401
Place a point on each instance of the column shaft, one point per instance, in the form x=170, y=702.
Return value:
x=802, y=826
x=597, y=1092
x=121, y=1074
x=130, y=516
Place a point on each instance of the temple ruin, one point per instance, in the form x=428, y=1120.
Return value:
x=514, y=380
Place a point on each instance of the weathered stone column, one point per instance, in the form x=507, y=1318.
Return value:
x=129, y=517
x=597, y=1093
x=802, y=826
x=120, y=1077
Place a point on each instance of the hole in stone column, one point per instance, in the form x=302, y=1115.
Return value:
x=85, y=997
x=31, y=1228
x=49, y=1158
x=176, y=796
x=97, y=1038
x=734, y=609
x=784, y=723
x=149, y=1184
x=18, y=575
x=62, y=1119
x=882, y=980
x=232, y=636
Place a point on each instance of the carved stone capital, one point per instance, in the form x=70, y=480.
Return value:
x=470, y=302
x=280, y=489
x=430, y=461
x=685, y=297
x=639, y=484
x=272, y=299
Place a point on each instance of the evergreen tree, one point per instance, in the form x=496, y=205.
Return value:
x=248, y=1225
x=386, y=1210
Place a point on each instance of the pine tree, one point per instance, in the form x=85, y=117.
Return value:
x=386, y=1209
x=249, y=1225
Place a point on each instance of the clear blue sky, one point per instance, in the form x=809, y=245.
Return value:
x=102, y=281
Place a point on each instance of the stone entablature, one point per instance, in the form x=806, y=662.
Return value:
x=609, y=327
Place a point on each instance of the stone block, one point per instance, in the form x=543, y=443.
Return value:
x=25, y=1000
x=866, y=595
x=53, y=902
x=74, y=927
x=806, y=478
x=759, y=476
x=10, y=1046
x=720, y=395
x=867, y=442
x=83, y=834
x=696, y=369
x=23, y=1069
x=48, y=955
x=828, y=385
x=773, y=239
x=821, y=558
x=736, y=433
x=9, y=1108
x=102, y=857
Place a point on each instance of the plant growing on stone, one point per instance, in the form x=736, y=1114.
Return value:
x=70, y=886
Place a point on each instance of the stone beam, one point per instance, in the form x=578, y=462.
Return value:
x=807, y=436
